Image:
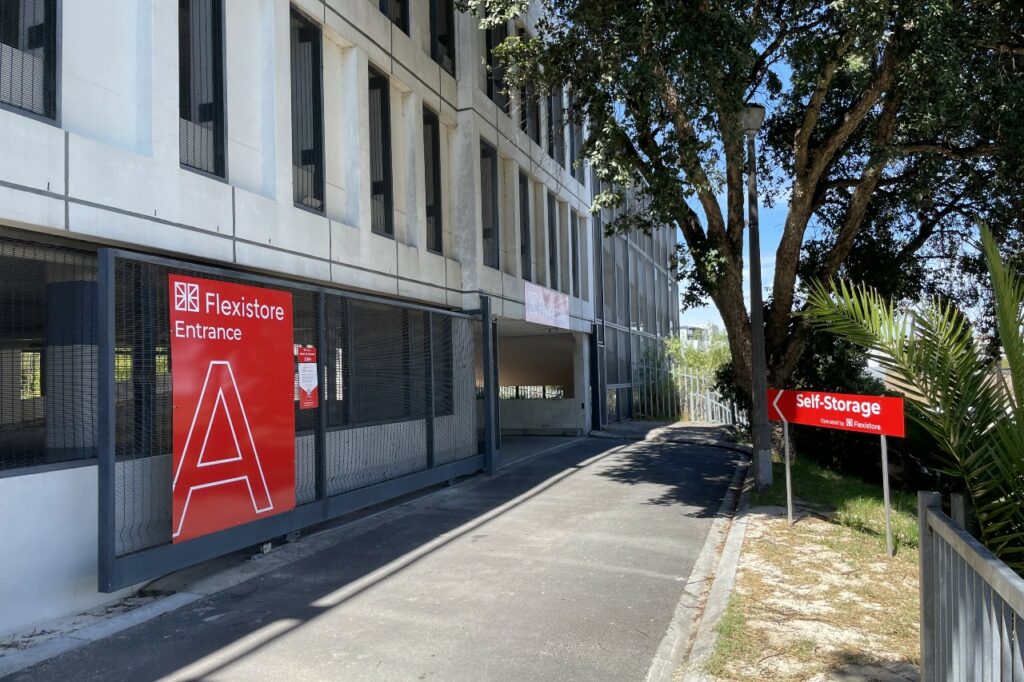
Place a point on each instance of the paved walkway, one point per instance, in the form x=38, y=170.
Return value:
x=566, y=567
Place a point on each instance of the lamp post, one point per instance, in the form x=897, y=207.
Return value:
x=751, y=119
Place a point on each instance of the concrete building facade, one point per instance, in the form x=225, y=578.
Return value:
x=351, y=145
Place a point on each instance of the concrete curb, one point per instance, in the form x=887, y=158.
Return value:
x=684, y=626
x=721, y=589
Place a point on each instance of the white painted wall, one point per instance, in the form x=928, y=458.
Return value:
x=48, y=555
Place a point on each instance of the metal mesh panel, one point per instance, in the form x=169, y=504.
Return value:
x=307, y=114
x=48, y=376
x=143, y=439
x=201, y=85
x=384, y=367
x=28, y=55
x=455, y=343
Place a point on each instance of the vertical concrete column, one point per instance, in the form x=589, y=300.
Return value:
x=70, y=379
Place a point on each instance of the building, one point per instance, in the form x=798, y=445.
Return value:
x=353, y=160
x=698, y=337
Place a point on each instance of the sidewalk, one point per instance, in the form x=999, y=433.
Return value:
x=568, y=566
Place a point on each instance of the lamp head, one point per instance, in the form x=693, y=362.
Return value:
x=752, y=117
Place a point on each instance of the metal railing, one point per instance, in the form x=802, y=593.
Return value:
x=972, y=604
x=700, y=402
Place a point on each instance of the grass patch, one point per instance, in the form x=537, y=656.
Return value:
x=849, y=501
x=733, y=637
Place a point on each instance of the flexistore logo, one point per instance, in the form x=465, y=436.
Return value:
x=186, y=297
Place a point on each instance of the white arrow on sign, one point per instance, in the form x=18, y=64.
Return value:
x=775, y=404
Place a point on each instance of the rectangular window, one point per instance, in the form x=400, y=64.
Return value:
x=307, y=114
x=525, y=241
x=398, y=12
x=201, y=85
x=575, y=141
x=489, y=203
x=381, y=198
x=31, y=374
x=432, y=178
x=495, y=68
x=574, y=253
x=529, y=116
x=28, y=56
x=442, y=34
x=556, y=126
x=552, y=242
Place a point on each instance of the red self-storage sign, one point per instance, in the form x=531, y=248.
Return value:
x=234, y=417
x=878, y=415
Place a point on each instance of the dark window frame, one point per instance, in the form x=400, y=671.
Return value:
x=556, y=110
x=399, y=18
x=553, y=273
x=220, y=129
x=574, y=253
x=525, y=225
x=440, y=51
x=377, y=80
x=489, y=156
x=316, y=153
x=432, y=181
x=496, y=86
x=55, y=75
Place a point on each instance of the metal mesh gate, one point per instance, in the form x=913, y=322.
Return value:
x=397, y=411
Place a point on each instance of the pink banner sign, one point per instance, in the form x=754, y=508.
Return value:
x=547, y=306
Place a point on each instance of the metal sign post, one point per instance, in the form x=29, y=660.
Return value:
x=885, y=494
x=789, y=482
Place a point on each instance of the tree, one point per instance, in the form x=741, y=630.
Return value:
x=958, y=394
x=891, y=126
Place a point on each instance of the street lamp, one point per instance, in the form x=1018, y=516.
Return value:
x=751, y=119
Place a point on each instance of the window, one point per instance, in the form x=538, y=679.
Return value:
x=529, y=116
x=432, y=178
x=574, y=253
x=307, y=115
x=552, y=242
x=495, y=69
x=575, y=141
x=28, y=56
x=489, y=203
x=442, y=34
x=201, y=85
x=397, y=11
x=381, y=199
x=525, y=241
x=556, y=126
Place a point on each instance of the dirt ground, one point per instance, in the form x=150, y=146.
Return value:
x=818, y=601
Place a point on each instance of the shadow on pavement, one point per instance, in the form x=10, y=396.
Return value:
x=204, y=638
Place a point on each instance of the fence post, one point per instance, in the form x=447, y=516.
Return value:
x=928, y=588
x=958, y=509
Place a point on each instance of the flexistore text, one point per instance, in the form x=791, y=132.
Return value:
x=865, y=408
x=215, y=304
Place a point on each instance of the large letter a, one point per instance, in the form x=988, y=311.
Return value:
x=226, y=457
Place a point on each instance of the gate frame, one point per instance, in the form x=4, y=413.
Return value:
x=118, y=572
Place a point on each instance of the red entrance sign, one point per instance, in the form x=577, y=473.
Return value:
x=234, y=416
x=878, y=415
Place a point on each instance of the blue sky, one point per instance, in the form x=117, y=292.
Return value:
x=771, y=222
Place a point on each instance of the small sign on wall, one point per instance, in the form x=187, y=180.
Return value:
x=547, y=306
x=309, y=394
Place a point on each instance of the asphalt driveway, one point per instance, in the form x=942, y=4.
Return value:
x=565, y=567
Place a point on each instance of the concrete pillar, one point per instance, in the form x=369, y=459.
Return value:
x=69, y=370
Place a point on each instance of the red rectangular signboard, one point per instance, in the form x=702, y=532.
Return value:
x=879, y=415
x=234, y=416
